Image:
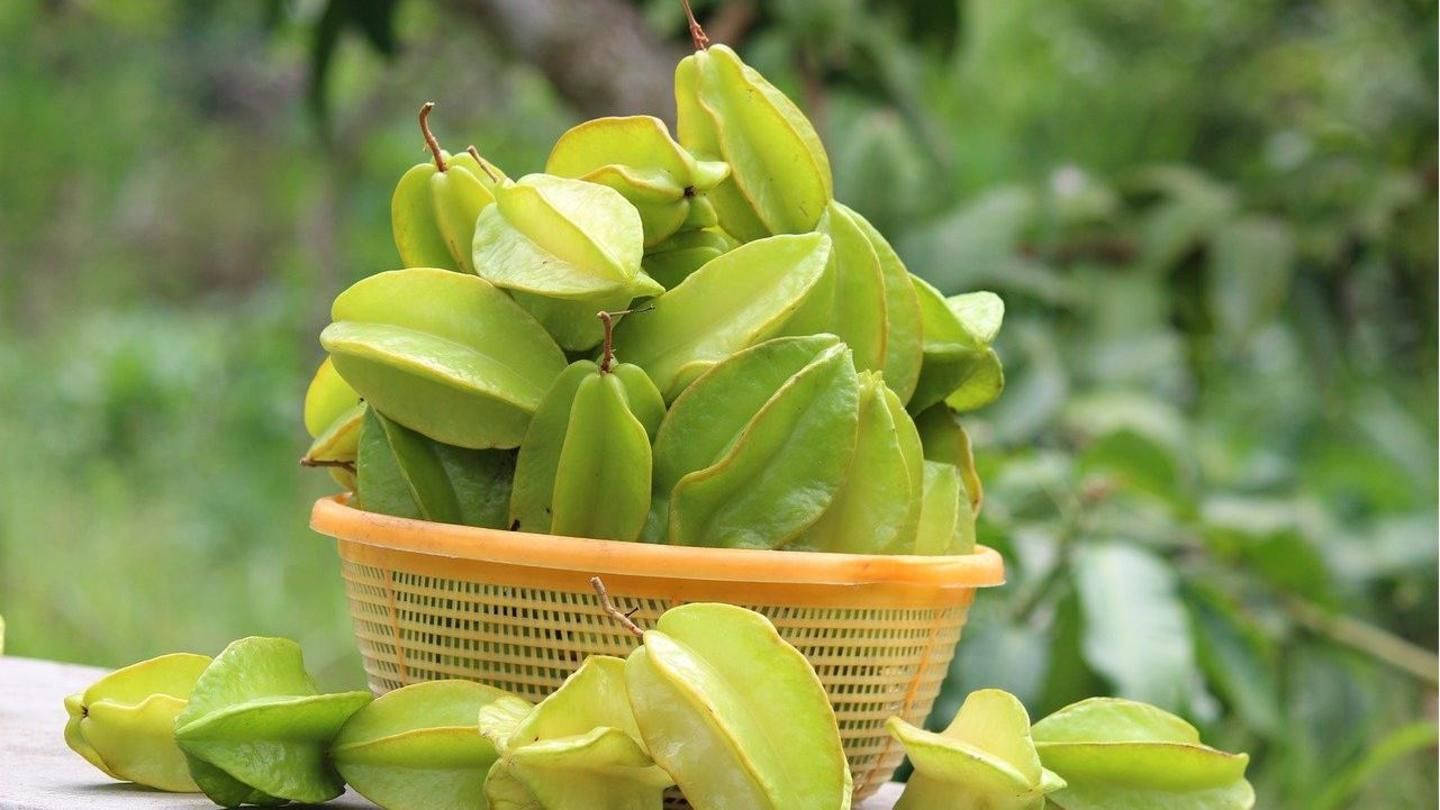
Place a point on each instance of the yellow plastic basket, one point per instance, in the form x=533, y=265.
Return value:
x=516, y=611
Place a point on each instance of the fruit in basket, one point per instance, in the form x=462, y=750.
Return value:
x=673, y=260
x=984, y=760
x=433, y=209
x=332, y=418
x=564, y=248
x=405, y=474
x=580, y=747
x=256, y=730
x=945, y=440
x=736, y=300
x=730, y=235
x=584, y=465
x=902, y=309
x=419, y=746
x=636, y=156
x=947, y=526
x=779, y=174
x=850, y=299
x=877, y=508
x=755, y=451
x=735, y=714
x=124, y=723
x=1118, y=754
x=960, y=368
x=446, y=354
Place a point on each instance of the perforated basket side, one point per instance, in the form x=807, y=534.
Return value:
x=412, y=624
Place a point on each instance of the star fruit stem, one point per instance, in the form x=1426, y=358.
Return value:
x=429, y=138
x=484, y=167
x=607, y=352
x=615, y=613
x=697, y=34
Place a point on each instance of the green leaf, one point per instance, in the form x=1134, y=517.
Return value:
x=1136, y=632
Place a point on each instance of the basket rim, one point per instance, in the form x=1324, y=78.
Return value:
x=334, y=517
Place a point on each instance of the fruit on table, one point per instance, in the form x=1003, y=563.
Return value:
x=564, y=248
x=445, y=354
x=877, y=508
x=984, y=760
x=735, y=714
x=584, y=465
x=1121, y=755
x=419, y=747
x=755, y=451
x=959, y=367
x=636, y=156
x=124, y=723
x=735, y=301
x=405, y=474
x=779, y=174
x=433, y=209
x=579, y=748
x=256, y=730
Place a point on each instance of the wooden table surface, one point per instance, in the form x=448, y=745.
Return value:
x=37, y=770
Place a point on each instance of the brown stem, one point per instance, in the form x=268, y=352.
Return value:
x=697, y=34
x=615, y=613
x=484, y=167
x=607, y=356
x=1367, y=638
x=429, y=138
x=316, y=462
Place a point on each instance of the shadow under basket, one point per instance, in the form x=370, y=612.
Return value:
x=515, y=610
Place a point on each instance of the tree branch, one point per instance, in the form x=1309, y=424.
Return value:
x=600, y=54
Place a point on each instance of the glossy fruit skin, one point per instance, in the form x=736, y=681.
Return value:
x=738, y=299
x=754, y=452
x=1118, y=754
x=124, y=723
x=673, y=260
x=445, y=354
x=256, y=729
x=984, y=760
x=433, y=212
x=877, y=508
x=779, y=173
x=636, y=156
x=735, y=714
x=850, y=300
x=959, y=366
x=564, y=249
x=944, y=439
x=419, y=747
x=584, y=466
x=947, y=525
x=579, y=748
x=904, y=334
x=405, y=474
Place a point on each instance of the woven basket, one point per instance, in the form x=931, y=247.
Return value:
x=516, y=611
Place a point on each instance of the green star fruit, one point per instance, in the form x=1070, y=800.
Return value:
x=124, y=723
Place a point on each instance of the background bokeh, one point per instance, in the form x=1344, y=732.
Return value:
x=1213, y=473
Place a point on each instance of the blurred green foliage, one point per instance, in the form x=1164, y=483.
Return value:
x=1214, y=223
